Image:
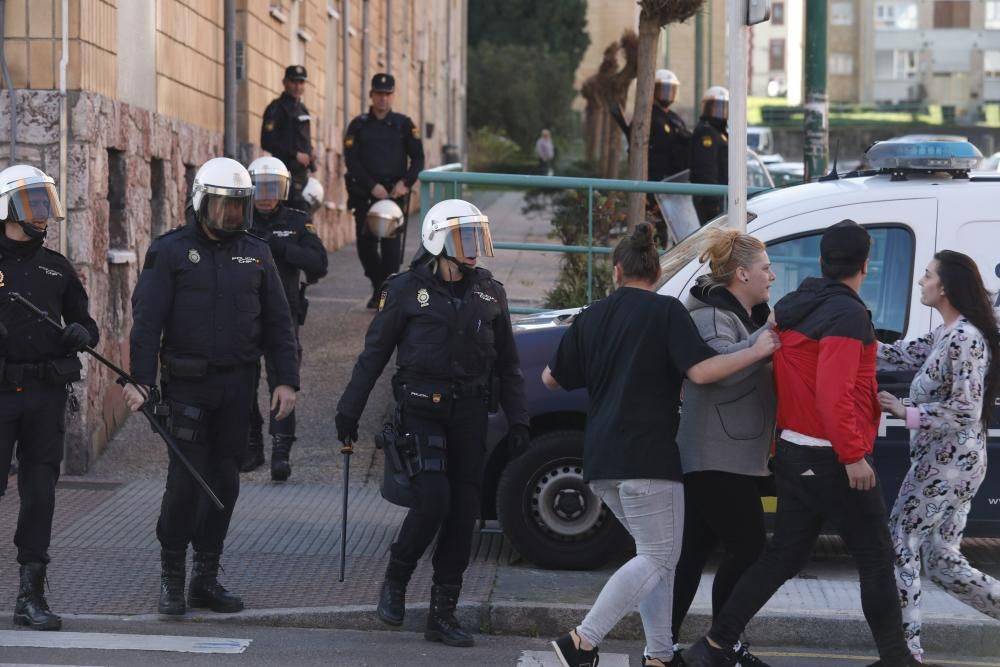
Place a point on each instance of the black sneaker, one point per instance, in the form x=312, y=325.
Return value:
x=744, y=658
x=571, y=656
x=703, y=654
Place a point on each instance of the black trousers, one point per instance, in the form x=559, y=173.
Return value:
x=380, y=258
x=284, y=426
x=216, y=450
x=719, y=507
x=448, y=501
x=813, y=488
x=34, y=418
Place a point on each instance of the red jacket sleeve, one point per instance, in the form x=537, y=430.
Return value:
x=836, y=375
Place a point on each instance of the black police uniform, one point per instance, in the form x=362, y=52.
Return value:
x=36, y=366
x=377, y=152
x=297, y=250
x=709, y=163
x=285, y=131
x=207, y=310
x=450, y=339
x=669, y=144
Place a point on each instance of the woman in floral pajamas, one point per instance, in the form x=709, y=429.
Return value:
x=957, y=374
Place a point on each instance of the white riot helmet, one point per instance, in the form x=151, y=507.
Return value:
x=715, y=103
x=312, y=193
x=384, y=219
x=455, y=228
x=28, y=195
x=270, y=178
x=222, y=196
x=667, y=86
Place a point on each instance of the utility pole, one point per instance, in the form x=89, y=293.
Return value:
x=737, y=47
x=817, y=104
x=229, y=79
x=699, y=54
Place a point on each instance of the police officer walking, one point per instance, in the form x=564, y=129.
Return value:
x=285, y=133
x=208, y=304
x=669, y=137
x=296, y=250
x=384, y=156
x=37, y=363
x=710, y=150
x=449, y=324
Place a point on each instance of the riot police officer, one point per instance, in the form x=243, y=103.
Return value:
x=384, y=156
x=297, y=251
x=208, y=304
x=285, y=132
x=37, y=363
x=669, y=137
x=449, y=324
x=710, y=150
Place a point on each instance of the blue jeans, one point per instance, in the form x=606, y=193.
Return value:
x=652, y=510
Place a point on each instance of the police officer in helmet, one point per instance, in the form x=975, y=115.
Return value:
x=37, y=363
x=710, y=150
x=669, y=137
x=286, y=133
x=208, y=304
x=449, y=324
x=297, y=251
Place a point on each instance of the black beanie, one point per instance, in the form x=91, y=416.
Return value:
x=845, y=244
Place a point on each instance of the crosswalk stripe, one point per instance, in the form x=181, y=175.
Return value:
x=549, y=659
x=122, y=642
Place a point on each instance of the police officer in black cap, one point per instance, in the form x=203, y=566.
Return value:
x=285, y=133
x=37, y=363
x=710, y=150
x=209, y=303
x=448, y=322
x=384, y=156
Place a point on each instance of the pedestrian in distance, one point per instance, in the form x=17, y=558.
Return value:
x=208, y=304
x=37, y=366
x=384, y=156
x=710, y=150
x=828, y=410
x=632, y=351
x=545, y=151
x=727, y=428
x=956, y=384
x=298, y=253
x=449, y=324
x=286, y=133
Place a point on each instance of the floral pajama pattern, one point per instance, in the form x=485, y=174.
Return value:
x=947, y=465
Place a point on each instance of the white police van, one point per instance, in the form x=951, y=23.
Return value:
x=917, y=199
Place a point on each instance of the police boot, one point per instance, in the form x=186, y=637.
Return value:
x=172, y=564
x=281, y=448
x=205, y=591
x=255, y=450
x=442, y=626
x=392, y=597
x=31, y=609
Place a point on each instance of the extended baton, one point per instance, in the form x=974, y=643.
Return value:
x=406, y=220
x=347, y=449
x=123, y=379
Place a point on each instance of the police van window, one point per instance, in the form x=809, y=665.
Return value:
x=886, y=290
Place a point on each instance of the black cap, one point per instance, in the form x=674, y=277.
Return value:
x=295, y=73
x=846, y=243
x=383, y=83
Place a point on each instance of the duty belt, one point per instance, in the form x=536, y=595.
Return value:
x=15, y=373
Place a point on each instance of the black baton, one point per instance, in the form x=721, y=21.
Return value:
x=406, y=220
x=347, y=449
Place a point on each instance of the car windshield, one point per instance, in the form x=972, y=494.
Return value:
x=689, y=248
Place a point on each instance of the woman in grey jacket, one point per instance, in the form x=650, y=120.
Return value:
x=726, y=428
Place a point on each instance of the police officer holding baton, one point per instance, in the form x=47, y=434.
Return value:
x=286, y=133
x=449, y=323
x=384, y=156
x=209, y=303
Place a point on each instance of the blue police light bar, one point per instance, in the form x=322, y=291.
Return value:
x=896, y=155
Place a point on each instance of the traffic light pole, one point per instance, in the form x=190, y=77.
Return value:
x=817, y=104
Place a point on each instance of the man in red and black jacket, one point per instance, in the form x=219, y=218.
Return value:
x=828, y=413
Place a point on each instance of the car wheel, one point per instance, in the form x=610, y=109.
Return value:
x=549, y=513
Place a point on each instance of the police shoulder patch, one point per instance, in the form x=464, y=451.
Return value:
x=348, y=141
x=415, y=132
x=269, y=126
x=666, y=128
x=311, y=228
x=382, y=299
x=706, y=141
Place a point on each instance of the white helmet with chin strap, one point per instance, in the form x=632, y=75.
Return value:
x=668, y=84
x=312, y=193
x=455, y=228
x=715, y=103
x=28, y=194
x=222, y=196
x=384, y=219
x=271, y=179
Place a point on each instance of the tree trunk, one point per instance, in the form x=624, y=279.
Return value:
x=649, y=34
x=591, y=115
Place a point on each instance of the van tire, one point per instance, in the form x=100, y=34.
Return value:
x=549, y=514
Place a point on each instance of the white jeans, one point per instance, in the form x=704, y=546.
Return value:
x=652, y=510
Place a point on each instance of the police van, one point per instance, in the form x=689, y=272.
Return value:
x=918, y=198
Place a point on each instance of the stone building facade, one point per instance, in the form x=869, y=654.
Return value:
x=144, y=101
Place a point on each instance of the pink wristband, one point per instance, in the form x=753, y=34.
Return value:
x=912, y=418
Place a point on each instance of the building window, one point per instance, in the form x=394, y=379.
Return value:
x=991, y=64
x=992, y=21
x=951, y=14
x=778, y=13
x=896, y=64
x=842, y=13
x=841, y=64
x=776, y=53
x=896, y=15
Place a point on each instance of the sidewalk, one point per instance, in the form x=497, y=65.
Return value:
x=283, y=550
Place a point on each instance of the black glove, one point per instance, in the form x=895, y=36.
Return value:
x=279, y=245
x=517, y=440
x=75, y=337
x=347, y=428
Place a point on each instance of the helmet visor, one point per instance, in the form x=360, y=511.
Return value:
x=469, y=238
x=270, y=187
x=713, y=108
x=226, y=214
x=666, y=92
x=36, y=202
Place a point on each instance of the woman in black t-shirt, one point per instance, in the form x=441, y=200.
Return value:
x=632, y=352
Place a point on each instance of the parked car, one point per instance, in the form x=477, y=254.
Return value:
x=916, y=206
